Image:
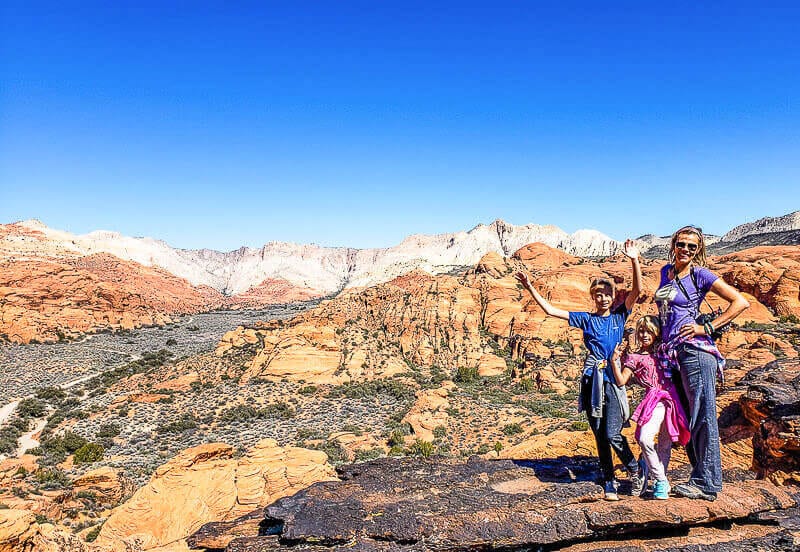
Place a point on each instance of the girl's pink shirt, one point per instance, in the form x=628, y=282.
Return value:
x=660, y=389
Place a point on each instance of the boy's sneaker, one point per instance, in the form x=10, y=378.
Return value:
x=687, y=490
x=610, y=490
x=661, y=489
x=637, y=482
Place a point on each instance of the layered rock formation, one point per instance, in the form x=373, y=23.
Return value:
x=447, y=321
x=449, y=505
x=61, y=298
x=206, y=483
x=772, y=405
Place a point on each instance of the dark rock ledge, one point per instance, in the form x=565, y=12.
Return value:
x=442, y=504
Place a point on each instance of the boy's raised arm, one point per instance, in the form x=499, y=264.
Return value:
x=632, y=252
x=522, y=278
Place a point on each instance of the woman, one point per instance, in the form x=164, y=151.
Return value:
x=689, y=352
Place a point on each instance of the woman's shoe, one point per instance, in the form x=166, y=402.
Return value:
x=687, y=490
x=661, y=490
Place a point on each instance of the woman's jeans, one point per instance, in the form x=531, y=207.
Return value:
x=696, y=383
x=608, y=430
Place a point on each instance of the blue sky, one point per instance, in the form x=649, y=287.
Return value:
x=358, y=123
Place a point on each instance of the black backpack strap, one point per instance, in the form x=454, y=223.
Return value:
x=705, y=295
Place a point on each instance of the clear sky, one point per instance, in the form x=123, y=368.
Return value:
x=220, y=124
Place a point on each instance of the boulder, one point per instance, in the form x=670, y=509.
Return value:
x=207, y=483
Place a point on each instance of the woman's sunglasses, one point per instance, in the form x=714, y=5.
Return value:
x=685, y=245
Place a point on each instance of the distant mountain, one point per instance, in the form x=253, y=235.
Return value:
x=783, y=230
x=310, y=267
x=311, y=270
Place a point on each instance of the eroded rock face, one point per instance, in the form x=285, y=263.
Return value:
x=445, y=504
x=483, y=317
x=17, y=530
x=772, y=405
x=51, y=299
x=206, y=483
x=107, y=484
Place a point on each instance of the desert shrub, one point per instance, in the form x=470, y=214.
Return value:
x=579, y=426
x=336, y=453
x=790, y=319
x=52, y=478
x=353, y=428
x=421, y=448
x=396, y=438
x=498, y=446
x=362, y=455
x=371, y=389
x=466, y=374
x=512, y=429
x=439, y=431
x=72, y=441
x=53, y=395
x=279, y=410
x=184, y=423
x=88, y=453
x=307, y=390
x=31, y=408
x=91, y=536
x=483, y=449
x=106, y=432
x=525, y=385
x=239, y=413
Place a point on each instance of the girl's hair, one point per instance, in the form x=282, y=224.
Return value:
x=652, y=325
x=602, y=282
x=700, y=255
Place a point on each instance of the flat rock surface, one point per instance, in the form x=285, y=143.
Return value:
x=446, y=504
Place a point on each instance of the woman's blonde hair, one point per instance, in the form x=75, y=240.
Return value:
x=700, y=255
x=652, y=325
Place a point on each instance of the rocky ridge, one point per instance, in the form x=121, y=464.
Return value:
x=324, y=269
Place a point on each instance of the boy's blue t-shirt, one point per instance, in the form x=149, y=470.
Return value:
x=601, y=334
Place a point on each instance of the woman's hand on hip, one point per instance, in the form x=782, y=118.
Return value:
x=691, y=330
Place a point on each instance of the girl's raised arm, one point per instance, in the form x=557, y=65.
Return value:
x=621, y=373
x=522, y=278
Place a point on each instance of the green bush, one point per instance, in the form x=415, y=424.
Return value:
x=72, y=441
x=512, y=429
x=371, y=389
x=466, y=374
x=362, y=455
x=579, y=426
x=184, y=423
x=31, y=408
x=52, y=478
x=88, y=453
x=308, y=390
x=422, y=448
x=91, y=536
x=53, y=395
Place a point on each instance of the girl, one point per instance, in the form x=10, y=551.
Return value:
x=690, y=354
x=660, y=412
x=605, y=403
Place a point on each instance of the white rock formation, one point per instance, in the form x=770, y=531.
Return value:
x=327, y=269
x=764, y=226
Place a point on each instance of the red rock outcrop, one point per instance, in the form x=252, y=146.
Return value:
x=450, y=321
x=273, y=291
x=47, y=300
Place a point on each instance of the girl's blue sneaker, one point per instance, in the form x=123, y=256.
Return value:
x=661, y=490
